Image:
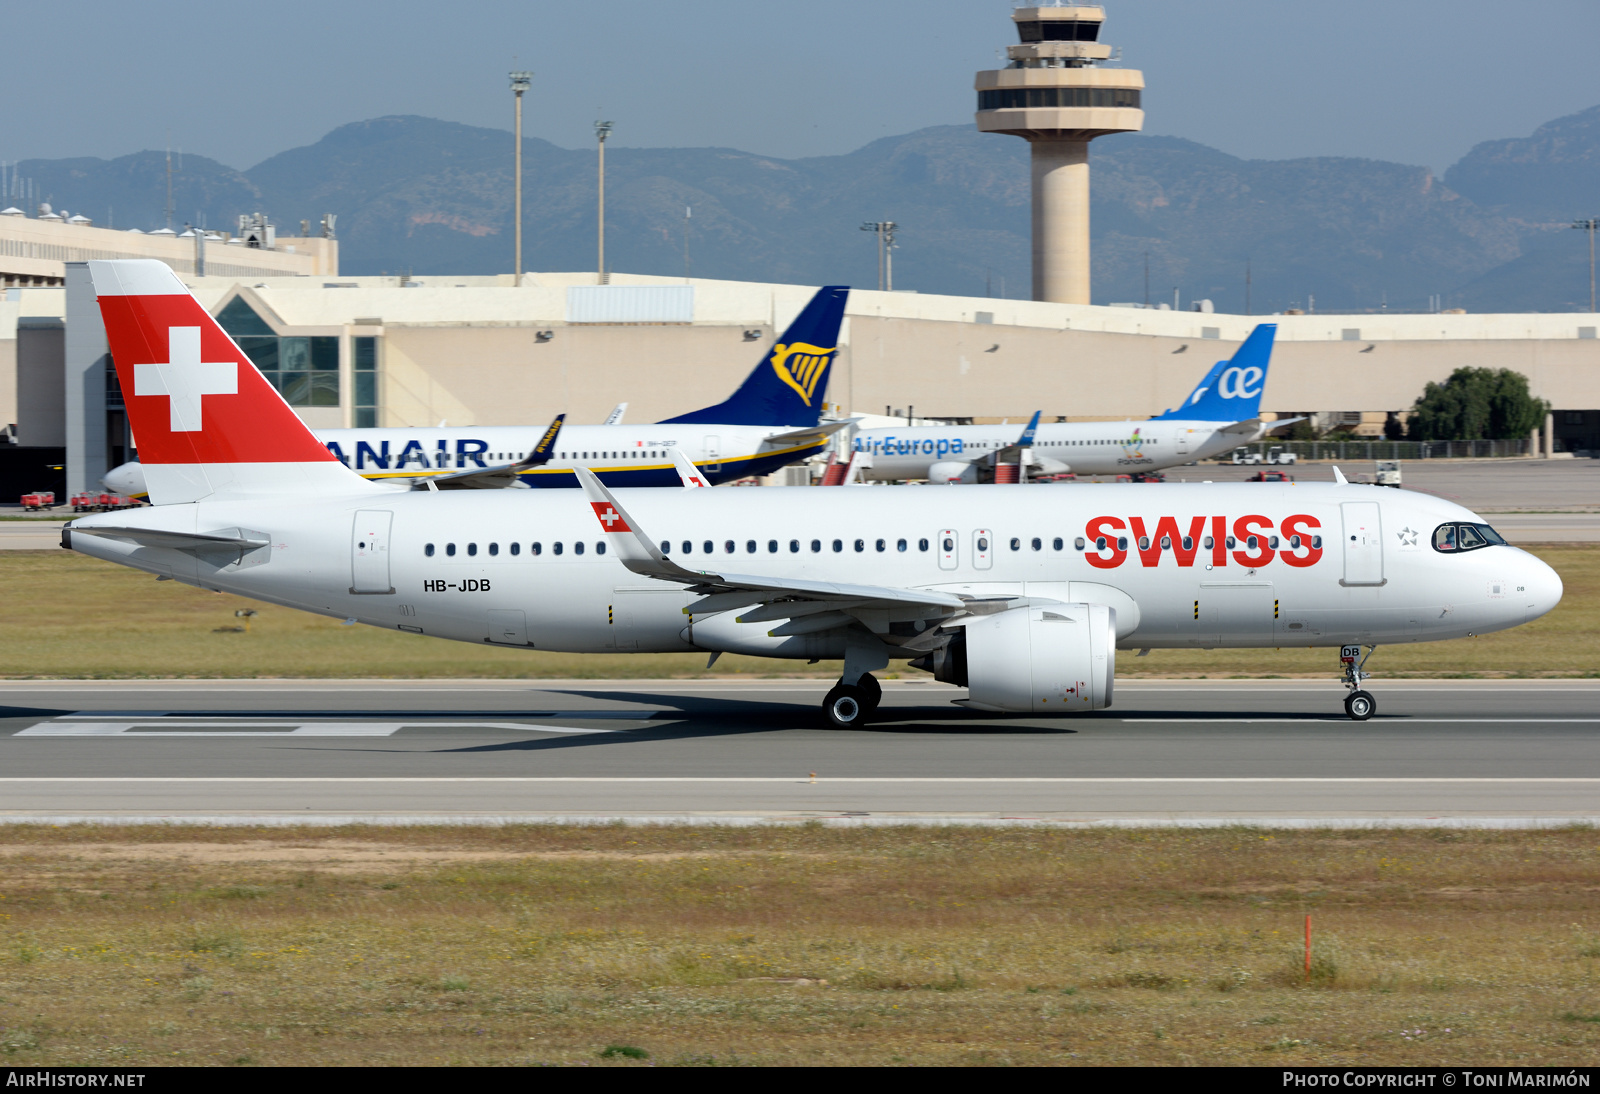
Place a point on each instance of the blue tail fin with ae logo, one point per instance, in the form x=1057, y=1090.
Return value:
x=1231, y=391
x=788, y=386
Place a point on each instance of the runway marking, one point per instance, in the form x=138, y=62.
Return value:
x=987, y=780
x=279, y=727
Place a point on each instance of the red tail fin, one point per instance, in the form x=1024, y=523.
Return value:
x=207, y=423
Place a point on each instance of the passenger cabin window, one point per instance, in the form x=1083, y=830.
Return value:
x=494, y=549
x=428, y=550
x=600, y=548
x=516, y=548
x=577, y=548
x=794, y=546
x=922, y=545
x=450, y=549
x=536, y=548
x=472, y=549
x=556, y=547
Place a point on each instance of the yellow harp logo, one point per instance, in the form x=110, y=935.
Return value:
x=801, y=365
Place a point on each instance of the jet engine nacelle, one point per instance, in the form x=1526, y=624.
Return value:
x=1057, y=658
x=953, y=471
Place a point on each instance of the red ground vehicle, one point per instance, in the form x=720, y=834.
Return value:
x=38, y=500
x=1270, y=476
x=100, y=503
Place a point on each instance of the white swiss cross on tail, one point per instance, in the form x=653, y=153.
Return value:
x=185, y=379
x=610, y=519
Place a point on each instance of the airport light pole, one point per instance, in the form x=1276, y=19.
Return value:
x=520, y=82
x=885, y=230
x=1589, y=226
x=602, y=130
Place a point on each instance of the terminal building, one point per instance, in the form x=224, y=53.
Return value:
x=359, y=351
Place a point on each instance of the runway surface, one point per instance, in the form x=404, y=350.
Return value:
x=1497, y=753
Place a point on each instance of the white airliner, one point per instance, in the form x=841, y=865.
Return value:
x=771, y=421
x=1021, y=596
x=1219, y=415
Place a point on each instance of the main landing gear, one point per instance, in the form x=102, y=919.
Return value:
x=849, y=706
x=1359, y=704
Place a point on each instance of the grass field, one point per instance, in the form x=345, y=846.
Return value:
x=807, y=945
x=70, y=616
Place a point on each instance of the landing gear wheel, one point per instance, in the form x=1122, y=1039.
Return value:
x=1360, y=705
x=847, y=706
x=873, y=690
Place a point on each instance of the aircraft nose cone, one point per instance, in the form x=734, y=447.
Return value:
x=123, y=480
x=1541, y=588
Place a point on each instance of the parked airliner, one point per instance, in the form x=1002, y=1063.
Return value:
x=771, y=421
x=1218, y=416
x=1022, y=596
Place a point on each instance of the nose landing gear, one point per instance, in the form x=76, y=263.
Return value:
x=1359, y=704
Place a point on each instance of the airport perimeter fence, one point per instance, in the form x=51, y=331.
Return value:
x=1393, y=450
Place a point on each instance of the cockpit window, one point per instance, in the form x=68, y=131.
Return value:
x=1464, y=537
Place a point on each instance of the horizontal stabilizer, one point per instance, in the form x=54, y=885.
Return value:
x=816, y=432
x=232, y=538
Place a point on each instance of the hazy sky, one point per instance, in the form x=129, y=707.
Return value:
x=1418, y=81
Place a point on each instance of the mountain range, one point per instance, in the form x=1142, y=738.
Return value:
x=427, y=197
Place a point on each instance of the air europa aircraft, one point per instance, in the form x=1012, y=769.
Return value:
x=1021, y=596
x=1220, y=414
x=771, y=421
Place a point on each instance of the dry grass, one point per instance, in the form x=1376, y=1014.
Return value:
x=82, y=618
x=809, y=945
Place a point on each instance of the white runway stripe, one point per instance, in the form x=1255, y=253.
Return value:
x=264, y=728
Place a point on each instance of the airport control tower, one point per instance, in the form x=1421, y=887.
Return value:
x=1055, y=95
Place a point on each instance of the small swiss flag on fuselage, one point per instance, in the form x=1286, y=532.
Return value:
x=193, y=397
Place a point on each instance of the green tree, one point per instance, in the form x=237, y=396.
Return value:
x=1477, y=404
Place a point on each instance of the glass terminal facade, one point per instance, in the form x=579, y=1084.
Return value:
x=304, y=369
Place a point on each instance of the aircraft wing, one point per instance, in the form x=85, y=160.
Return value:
x=688, y=474
x=615, y=417
x=823, y=604
x=502, y=476
x=1014, y=451
x=817, y=432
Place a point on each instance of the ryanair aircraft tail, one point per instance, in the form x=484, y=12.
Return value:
x=788, y=385
x=1231, y=391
